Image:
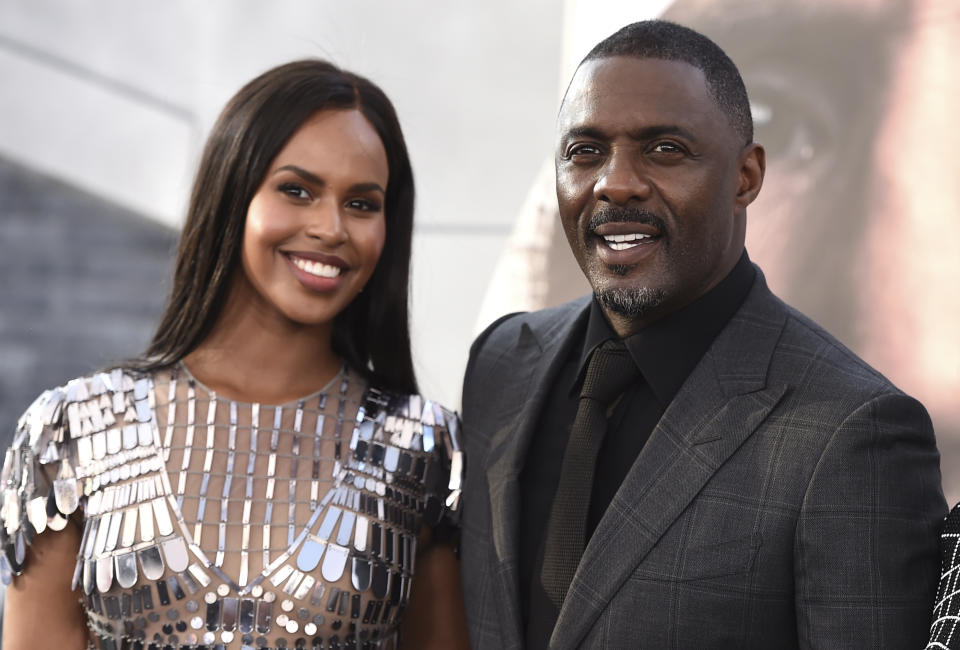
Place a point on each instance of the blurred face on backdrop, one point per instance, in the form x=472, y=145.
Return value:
x=652, y=183
x=855, y=102
x=315, y=227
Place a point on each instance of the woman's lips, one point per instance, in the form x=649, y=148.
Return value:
x=316, y=271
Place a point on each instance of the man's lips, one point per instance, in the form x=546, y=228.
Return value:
x=317, y=264
x=620, y=236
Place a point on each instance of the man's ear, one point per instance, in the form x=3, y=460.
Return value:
x=753, y=164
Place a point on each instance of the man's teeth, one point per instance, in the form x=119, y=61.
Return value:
x=623, y=242
x=316, y=268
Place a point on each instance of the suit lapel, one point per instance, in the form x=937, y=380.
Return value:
x=717, y=409
x=537, y=360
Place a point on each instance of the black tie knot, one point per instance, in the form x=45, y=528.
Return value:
x=610, y=370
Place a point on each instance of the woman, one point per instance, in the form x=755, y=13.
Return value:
x=264, y=476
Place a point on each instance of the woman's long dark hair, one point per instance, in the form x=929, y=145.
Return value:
x=372, y=334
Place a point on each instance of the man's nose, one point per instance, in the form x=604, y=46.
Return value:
x=622, y=179
x=325, y=222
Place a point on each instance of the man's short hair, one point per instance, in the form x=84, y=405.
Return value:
x=660, y=39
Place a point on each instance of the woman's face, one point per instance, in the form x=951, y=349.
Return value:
x=315, y=227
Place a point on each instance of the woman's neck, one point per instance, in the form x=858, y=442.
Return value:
x=254, y=356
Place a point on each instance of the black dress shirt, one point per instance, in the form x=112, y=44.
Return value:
x=666, y=352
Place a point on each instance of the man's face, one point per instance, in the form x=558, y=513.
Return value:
x=652, y=184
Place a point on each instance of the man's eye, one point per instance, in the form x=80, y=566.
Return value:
x=295, y=191
x=583, y=150
x=666, y=147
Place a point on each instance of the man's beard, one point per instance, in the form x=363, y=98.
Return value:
x=633, y=302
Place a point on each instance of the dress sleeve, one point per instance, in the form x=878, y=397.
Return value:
x=38, y=485
x=441, y=436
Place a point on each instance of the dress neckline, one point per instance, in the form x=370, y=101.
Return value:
x=342, y=375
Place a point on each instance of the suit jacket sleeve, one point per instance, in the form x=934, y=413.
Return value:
x=866, y=557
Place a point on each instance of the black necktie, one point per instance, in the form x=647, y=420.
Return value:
x=608, y=374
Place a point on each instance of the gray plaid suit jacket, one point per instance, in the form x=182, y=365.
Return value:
x=789, y=497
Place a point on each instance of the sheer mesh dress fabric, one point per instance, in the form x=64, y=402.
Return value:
x=214, y=523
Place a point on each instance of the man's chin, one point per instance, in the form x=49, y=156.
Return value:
x=630, y=302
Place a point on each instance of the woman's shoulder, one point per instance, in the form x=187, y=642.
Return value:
x=411, y=406
x=403, y=422
x=85, y=403
x=63, y=429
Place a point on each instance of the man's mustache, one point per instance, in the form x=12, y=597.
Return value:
x=616, y=214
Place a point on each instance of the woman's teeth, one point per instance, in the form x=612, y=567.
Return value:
x=316, y=268
x=623, y=242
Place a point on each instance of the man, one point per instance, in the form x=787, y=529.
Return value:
x=746, y=482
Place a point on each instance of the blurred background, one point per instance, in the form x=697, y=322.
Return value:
x=104, y=107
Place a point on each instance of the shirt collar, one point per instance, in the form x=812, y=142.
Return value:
x=667, y=350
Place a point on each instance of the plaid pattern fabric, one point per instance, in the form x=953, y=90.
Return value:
x=787, y=499
x=944, y=632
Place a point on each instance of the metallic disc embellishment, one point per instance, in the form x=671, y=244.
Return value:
x=231, y=608
x=66, y=489
x=428, y=438
x=264, y=616
x=101, y=540
x=362, y=574
x=317, y=595
x=346, y=528
x=293, y=582
x=282, y=574
x=115, y=439
x=199, y=574
x=104, y=575
x=130, y=437
x=99, y=443
x=174, y=586
x=126, y=569
x=129, y=534
x=84, y=451
x=113, y=534
x=213, y=615
x=329, y=520
x=381, y=580
x=146, y=522
x=361, y=532
x=36, y=512
x=144, y=434
x=175, y=551
x=334, y=562
x=89, y=575
x=151, y=563
x=164, y=524
x=247, y=615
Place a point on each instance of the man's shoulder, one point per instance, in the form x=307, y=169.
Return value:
x=805, y=348
x=506, y=330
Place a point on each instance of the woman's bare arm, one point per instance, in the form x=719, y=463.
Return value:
x=435, y=618
x=41, y=611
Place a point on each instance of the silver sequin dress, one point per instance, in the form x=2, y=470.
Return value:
x=210, y=523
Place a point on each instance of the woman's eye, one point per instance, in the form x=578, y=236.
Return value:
x=364, y=205
x=294, y=191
